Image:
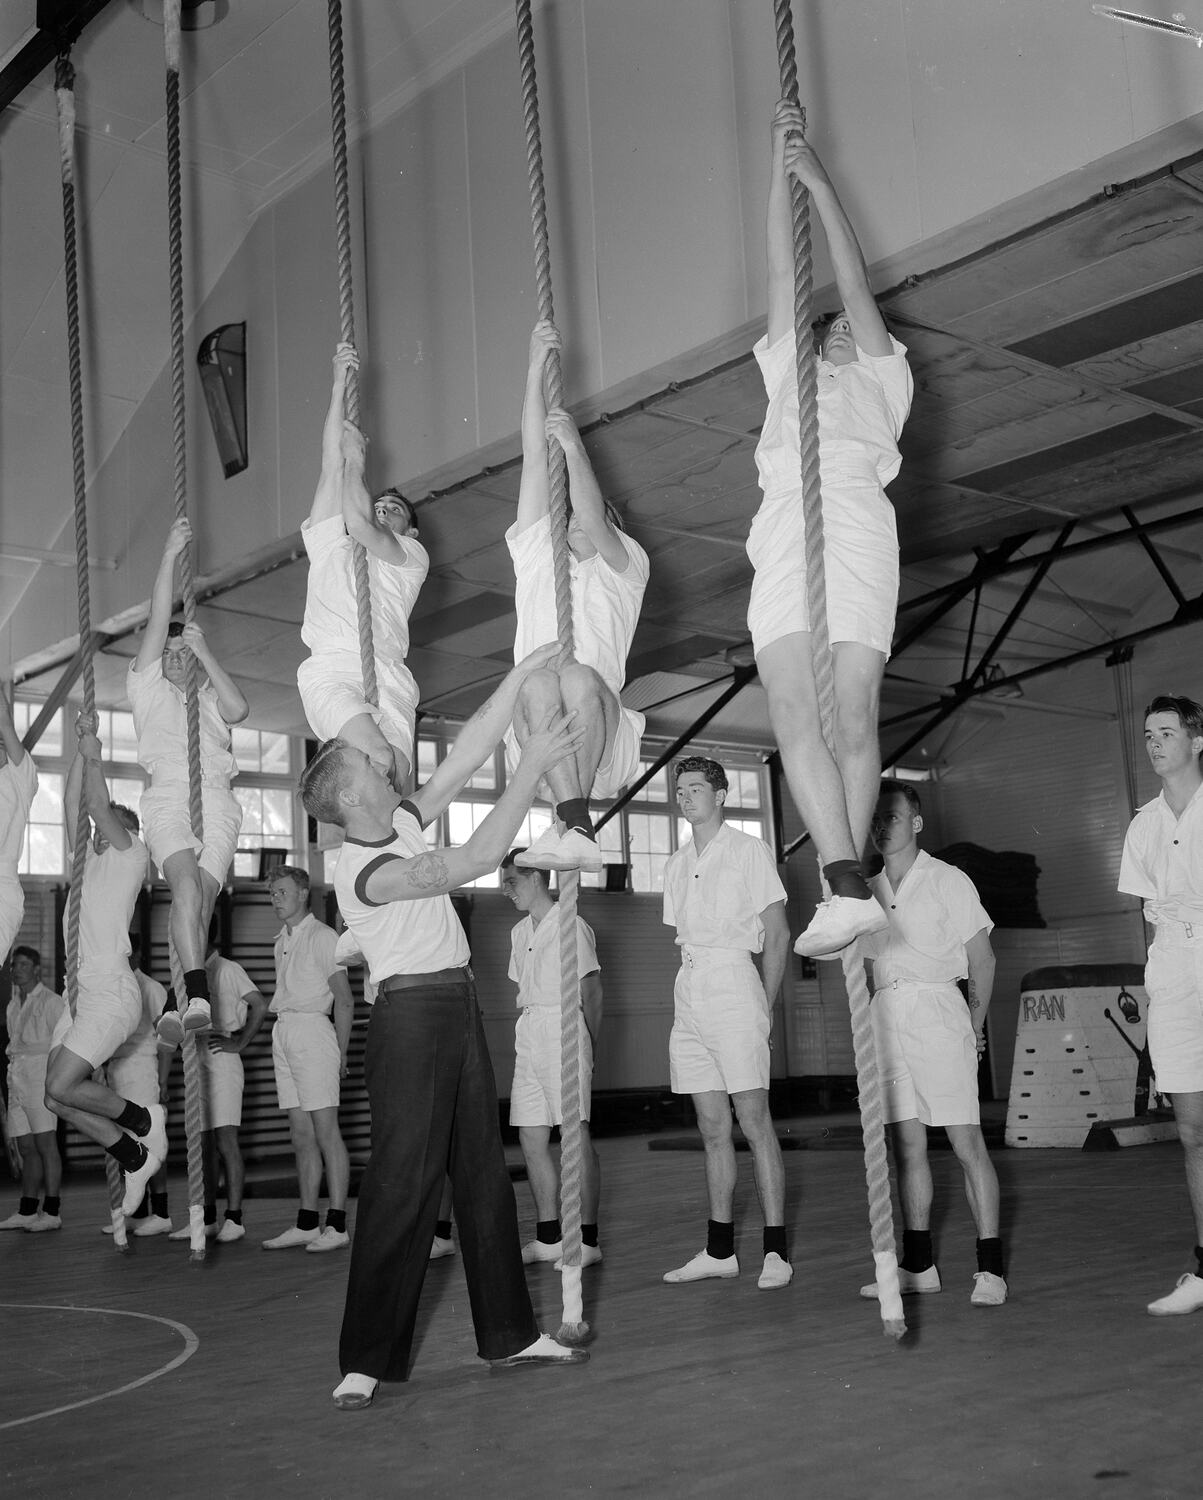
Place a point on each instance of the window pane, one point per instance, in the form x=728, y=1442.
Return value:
x=275, y=754
x=50, y=742
x=245, y=744
x=649, y=833
x=485, y=779
x=754, y=826
x=428, y=757
x=45, y=846
x=329, y=861
x=277, y=812
x=122, y=742
x=647, y=871
x=749, y=788
x=48, y=800
x=251, y=798
x=657, y=788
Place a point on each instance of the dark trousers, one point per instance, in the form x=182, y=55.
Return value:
x=434, y=1111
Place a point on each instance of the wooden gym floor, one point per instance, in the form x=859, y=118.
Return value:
x=715, y=1389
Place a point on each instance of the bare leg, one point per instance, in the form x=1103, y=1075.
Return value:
x=231, y=1155
x=1188, y=1112
x=713, y=1110
x=914, y=1173
x=334, y=1153
x=309, y=1157
x=189, y=921
x=52, y=1163
x=541, y=1173
x=70, y=1093
x=575, y=688
x=981, y=1180
x=590, y=1177
x=858, y=671
x=752, y=1109
x=31, y=1166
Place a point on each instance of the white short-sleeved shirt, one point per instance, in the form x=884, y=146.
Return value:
x=109, y=893
x=18, y=787
x=228, y=983
x=304, y=963
x=933, y=914
x=605, y=602
x=862, y=408
x=715, y=899
x=331, y=622
x=1163, y=860
x=143, y=1042
x=31, y=1021
x=397, y=937
x=535, y=959
x=161, y=723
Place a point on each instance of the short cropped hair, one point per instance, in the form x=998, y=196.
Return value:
x=888, y=787
x=127, y=816
x=299, y=877
x=710, y=769
x=23, y=950
x=322, y=780
x=510, y=862
x=174, y=628
x=1190, y=713
x=393, y=493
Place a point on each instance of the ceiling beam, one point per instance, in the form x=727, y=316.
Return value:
x=60, y=23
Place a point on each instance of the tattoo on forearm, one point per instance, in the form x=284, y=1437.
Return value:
x=971, y=994
x=427, y=873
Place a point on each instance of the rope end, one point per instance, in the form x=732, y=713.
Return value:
x=574, y=1334
x=196, y=1257
x=894, y=1328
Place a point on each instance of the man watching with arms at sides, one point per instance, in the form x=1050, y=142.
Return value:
x=156, y=685
x=18, y=786
x=108, y=1005
x=864, y=393
x=33, y=1013
x=535, y=1093
x=929, y=1038
x=429, y=1078
x=608, y=573
x=723, y=894
x=1163, y=865
x=331, y=679
x=313, y=1006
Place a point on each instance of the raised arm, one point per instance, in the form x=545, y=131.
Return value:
x=162, y=597
x=979, y=955
x=779, y=230
x=234, y=707
x=8, y=732
x=359, y=511
x=534, y=490
x=328, y=497
x=776, y=949
x=478, y=738
x=87, y=767
x=588, y=507
x=442, y=870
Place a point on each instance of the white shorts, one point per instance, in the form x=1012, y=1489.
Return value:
x=221, y=1086
x=535, y=1092
x=720, y=1037
x=861, y=563
x=167, y=827
x=306, y=1058
x=27, y=1112
x=619, y=764
x=135, y=1077
x=926, y=1054
x=12, y=909
x=1174, y=983
x=108, y=1010
x=331, y=688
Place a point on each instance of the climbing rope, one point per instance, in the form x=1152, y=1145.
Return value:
x=64, y=92
x=175, y=232
x=346, y=316
x=877, y=1172
x=574, y=1327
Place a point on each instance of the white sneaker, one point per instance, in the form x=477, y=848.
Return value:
x=137, y=1182
x=291, y=1238
x=169, y=1029
x=153, y=1224
x=439, y=1248
x=703, y=1267
x=910, y=1283
x=230, y=1231
x=198, y=1015
x=838, y=922
x=329, y=1239
x=19, y=1220
x=43, y=1222
x=186, y=1232
x=544, y=853
x=355, y=1392
x=1187, y=1297
x=990, y=1290
x=775, y=1273
x=578, y=851
x=590, y=1256
x=535, y=1250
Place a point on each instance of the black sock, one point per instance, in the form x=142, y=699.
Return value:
x=547, y=1231
x=27, y=1206
x=234, y=1215
x=143, y=1209
x=196, y=984
x=307, y=1218
x=846, y=878
x=210, y=1213
x=128, y=1153
x=51, y=1205
x=134, y=1117
x=989, y=1256
x=774, y=1241
x=336, y=1218
x=574, y=813
x=1199, y=1260
x=720, y=1239
x=442, y=1230
x=916, y=1250
x=158, y=1205
x=589, y=1235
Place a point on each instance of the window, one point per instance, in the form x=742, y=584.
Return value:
x=44, y=850
x=261, y=753
x=267, y=823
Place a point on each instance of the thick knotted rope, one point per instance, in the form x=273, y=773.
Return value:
x=574, y=1327
x=175, y=231
x=64, y=91
x=877, y=1172
x=346, y=315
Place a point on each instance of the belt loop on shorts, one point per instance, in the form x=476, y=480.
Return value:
x=687, y=959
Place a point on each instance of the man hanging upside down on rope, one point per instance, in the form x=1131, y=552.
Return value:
x=864, y=394
x=156, y=685
x=108, y=1003
x=608, y=573
x=331, y=680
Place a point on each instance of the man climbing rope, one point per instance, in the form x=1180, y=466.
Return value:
x=609, y=573
x=331, y=680
x=864, y=393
